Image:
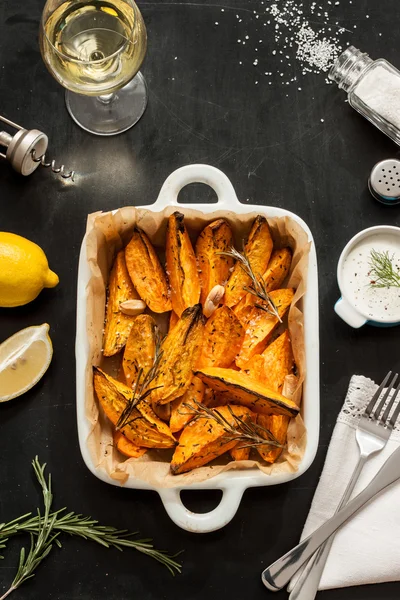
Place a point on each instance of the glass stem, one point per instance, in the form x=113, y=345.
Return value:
x=106, y=98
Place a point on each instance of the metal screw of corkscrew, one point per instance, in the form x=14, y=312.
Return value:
x=26, y=150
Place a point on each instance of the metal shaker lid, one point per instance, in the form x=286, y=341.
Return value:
x=384, y=181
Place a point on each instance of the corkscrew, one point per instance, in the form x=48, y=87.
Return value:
x=26, y=150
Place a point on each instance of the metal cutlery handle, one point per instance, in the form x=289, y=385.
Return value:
x=306, y=587
x=277, y=575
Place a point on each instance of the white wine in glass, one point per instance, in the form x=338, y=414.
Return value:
x=95, y=49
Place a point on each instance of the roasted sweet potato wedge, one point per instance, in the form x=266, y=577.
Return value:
x=273, y=278
x=120, y=289
x=214, y=268
x=274, y=364
x=126, y=447
x=278, y=269
x=180, y=352
x=278, y=426
x=242, y=390
x=181, y=265
x=173, y=319
x=260, y=326
x=222, y=339
x=140, y=348
x=209, y=396
x=239, y=453
x=147, y=273
x=180, y=410
x=219, y=398
x=258, y=250
x=144, y=429
x=203, y=439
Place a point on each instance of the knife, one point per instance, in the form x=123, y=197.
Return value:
x=277, y=575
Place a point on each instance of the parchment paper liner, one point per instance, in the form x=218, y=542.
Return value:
x=106, y=234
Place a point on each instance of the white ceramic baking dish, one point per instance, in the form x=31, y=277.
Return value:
x=232, y=483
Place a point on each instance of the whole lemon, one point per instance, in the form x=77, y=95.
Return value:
x=24, y=270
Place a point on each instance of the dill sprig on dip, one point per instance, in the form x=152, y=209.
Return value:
x=250, y=434
x=257, y=287
x=382, y=271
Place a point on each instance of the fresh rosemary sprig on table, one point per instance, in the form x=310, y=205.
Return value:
x=46, y=529
x=250, y=434
x=257, y=287
x=42, y=544
x=382, y=271
x=141, y=389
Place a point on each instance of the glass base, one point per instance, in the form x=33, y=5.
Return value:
x=110, y=114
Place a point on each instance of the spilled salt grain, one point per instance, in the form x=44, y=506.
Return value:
x=308, y=33
x=314, y=51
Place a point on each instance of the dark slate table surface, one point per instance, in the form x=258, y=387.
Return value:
x=275, y=149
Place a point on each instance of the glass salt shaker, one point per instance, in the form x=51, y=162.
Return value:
x=373, y=88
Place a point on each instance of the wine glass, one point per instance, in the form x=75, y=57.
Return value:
x=95, y=48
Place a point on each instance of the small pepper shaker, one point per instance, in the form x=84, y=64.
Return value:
x=373, y=88
x=384, y=181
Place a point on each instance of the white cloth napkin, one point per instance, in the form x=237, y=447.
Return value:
x=367, y=548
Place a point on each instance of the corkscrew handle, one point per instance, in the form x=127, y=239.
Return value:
x=26, y=150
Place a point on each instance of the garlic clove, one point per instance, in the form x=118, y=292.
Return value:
x=213, y=300
x=132, y=307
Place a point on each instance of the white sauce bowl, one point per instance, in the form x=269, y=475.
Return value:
x=360, y=302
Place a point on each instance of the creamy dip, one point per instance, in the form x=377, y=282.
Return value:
x=374, y=303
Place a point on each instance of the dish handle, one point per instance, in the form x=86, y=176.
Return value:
x=207, y=174
x=201, y=522
x=349, y=314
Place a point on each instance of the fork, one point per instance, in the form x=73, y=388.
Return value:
x=372, y=435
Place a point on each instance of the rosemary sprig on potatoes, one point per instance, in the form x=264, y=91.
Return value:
x=141, y=389
x=246, y=431
x=257, y=287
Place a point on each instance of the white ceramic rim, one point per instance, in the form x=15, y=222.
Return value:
x=232, y=483
x=345, y=252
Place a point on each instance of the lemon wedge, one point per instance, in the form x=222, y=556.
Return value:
x=24, y=359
